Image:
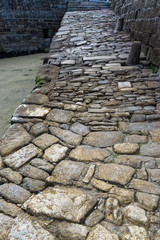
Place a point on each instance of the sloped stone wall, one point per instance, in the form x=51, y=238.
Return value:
x=27, y=26
x=142, y=19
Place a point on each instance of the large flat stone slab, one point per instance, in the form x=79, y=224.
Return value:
x=55, y=153
x=145, y=186
x=33, y=172
x=9, y=208
x=103, y=58
x=67, y=172
x=70, y=231
x=115, y=173
x=26, y=227
x=135, y=215
x=45, y=140
x=60, y=116
x=10, y=175
x=103, y=139
x=99, y=232
x=87, y=153
x=15, y=137
x=138, y=126
x=152, y=150
x=66, y=136
x=136, y=233
x=14, y=193
x=31, y=110
x=6, y=223
x=61, y=203
x=22, y=156
x=80, y=128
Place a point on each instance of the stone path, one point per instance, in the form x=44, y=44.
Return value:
x=81, y=160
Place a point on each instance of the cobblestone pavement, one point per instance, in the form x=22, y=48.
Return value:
x=81, y=160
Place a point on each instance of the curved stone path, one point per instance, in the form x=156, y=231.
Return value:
x=81, y=160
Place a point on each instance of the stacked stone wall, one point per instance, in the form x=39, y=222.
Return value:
x=142, y=19
x=27, y=26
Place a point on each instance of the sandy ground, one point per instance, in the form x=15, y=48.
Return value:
x=17, y=79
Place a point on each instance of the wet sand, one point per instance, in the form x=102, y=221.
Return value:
x=17, y=79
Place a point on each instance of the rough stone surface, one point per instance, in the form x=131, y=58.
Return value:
x=113, y=212
x=115, y=173
x=67, y=172
x=11, y=175
x=42, y=164
x=80, y=129
x=1, y=163
x=70, y=231
x=135, y=233
x=14, y=193
x=9, y=208
x=152, y=150
x=36, y=98
x=25, y=110
x=6, y=223
x=154, y=175
x=101, y=185
x=66, y=136
x=126, y=148
x=33, y=185
x=147, y=201
x=100, y=232
x=94, y=218
x=60, y=116
x=145, y=186
x=124, y=196
x=45, y=140
x=88, y=154
x=89, y=174
x=135, y=215
x=32, y=172
x=38, y=129
x=61, y=203
x=15, y=137
x=25, y=227
x=22, y=156
x=55, y=153
x=155, y=134
x=103, y=139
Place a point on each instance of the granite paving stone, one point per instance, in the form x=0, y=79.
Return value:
x=11, y=175
x=9, y=208
x=71, y=204
x=15, y=138
x=103, y=139
x=60, y=116
x=88, y=154
x=33, y=172
x=66, y=136
x=67, y=172
x=25, y=110
x=22, y=156
x=115, y=173
x=14, y=193
x=26, y=227
x=100, y=232
x=55, y=153
x=45, y=140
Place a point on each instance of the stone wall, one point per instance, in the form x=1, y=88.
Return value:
x=141, y=18
x=27, y=26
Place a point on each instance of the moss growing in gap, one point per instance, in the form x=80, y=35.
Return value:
x=154, y=68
